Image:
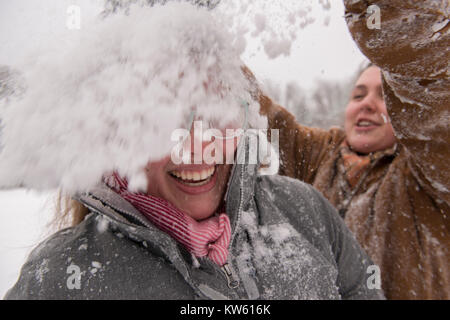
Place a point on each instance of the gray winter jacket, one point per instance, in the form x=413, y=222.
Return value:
x=287, y=242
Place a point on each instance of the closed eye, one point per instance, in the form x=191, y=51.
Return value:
x=358, y=97
x=359, y=92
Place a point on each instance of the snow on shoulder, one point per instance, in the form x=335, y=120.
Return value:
x=109, y=98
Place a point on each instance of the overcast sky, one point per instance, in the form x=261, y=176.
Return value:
x=320, y=52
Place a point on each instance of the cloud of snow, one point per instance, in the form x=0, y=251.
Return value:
x=274, y=25
x=109, y=97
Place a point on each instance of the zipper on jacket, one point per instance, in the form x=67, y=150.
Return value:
x=241, y=204
x=127, y=215
x=232, y=281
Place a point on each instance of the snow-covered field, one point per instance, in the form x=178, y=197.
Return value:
x=24, y=217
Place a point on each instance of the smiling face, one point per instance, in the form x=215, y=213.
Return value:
x=196, y=189
x=367, y=125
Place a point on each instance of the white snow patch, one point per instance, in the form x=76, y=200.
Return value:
x=276, y=24
x=102, y=224
x=277, y=47
x=110, y=98
x=438, y=26
x=96, y=266
x=440, y=187
x=41, y=270
x=280, y=251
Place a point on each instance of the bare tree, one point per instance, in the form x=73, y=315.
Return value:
x=272, y=89
x=329, y=100
x=295, y=100
x=322, y=107
x=11, y=83
x=11, y=86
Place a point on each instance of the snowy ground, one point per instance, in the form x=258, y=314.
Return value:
x=23, y=219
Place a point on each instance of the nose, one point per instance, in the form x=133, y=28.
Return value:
x=368, y=103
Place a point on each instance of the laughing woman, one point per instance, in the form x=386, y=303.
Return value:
x=200, y=231
x=208, y=230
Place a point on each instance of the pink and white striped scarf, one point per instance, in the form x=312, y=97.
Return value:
x=209, y=237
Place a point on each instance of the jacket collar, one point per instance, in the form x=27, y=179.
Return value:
x=373, y=156
x=241, y=183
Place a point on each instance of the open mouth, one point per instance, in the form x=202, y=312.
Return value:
x=365, y=124
x=193, y=178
